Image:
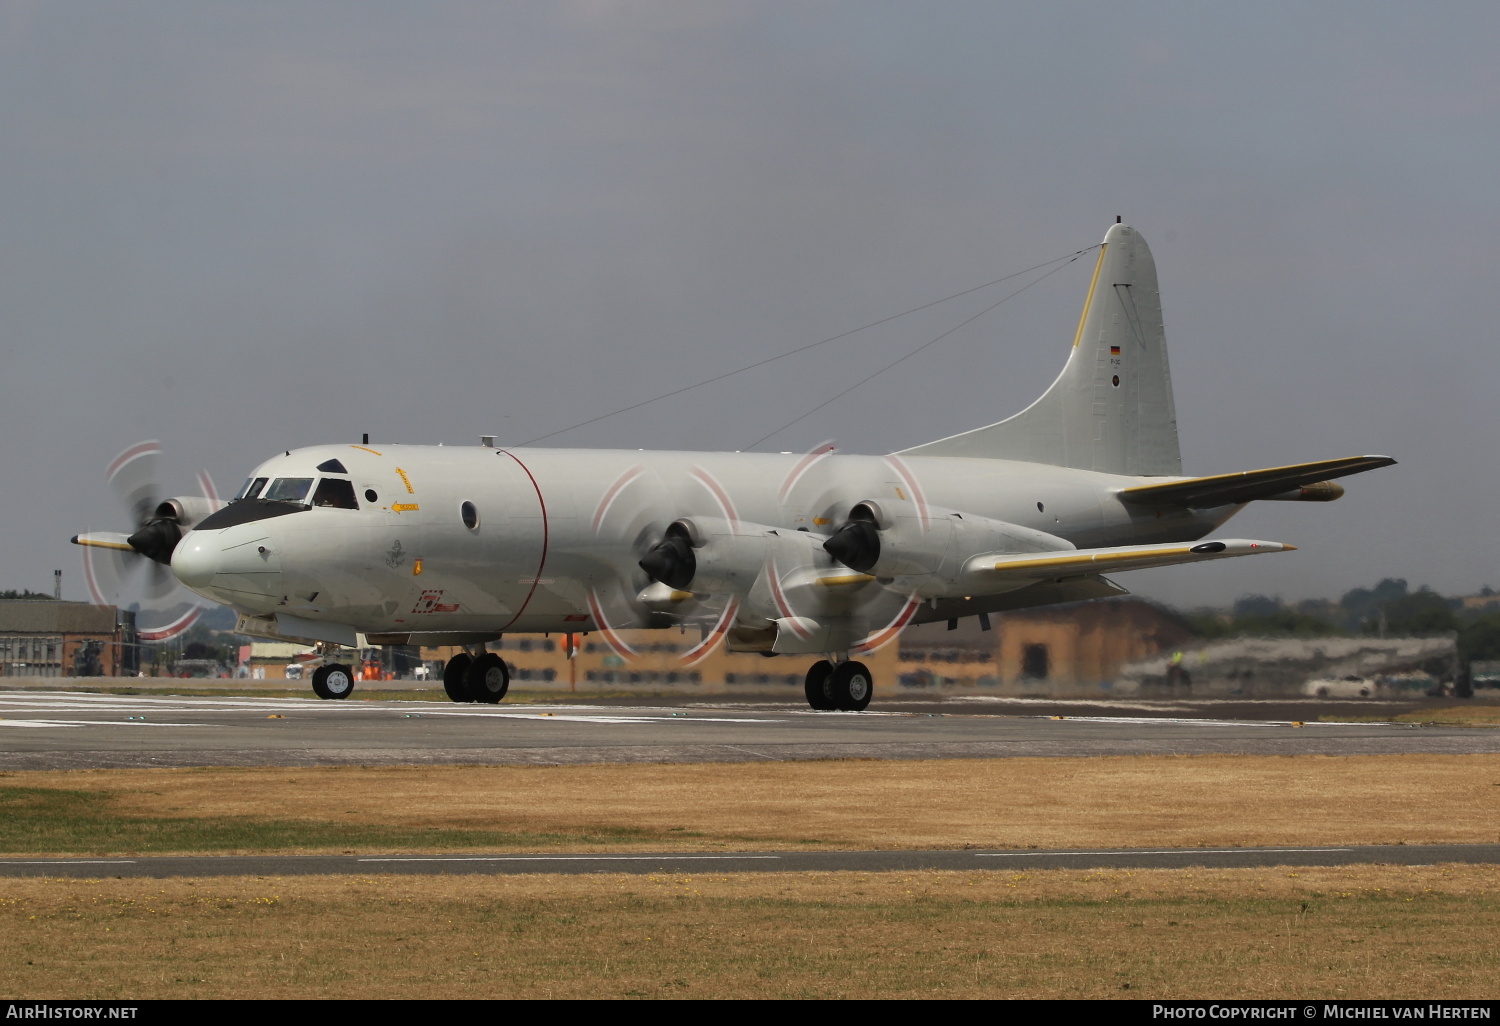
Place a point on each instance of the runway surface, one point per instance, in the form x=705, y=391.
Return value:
x=746, y=862
x=68, y=730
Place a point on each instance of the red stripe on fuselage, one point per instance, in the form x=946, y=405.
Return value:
x=542, y=503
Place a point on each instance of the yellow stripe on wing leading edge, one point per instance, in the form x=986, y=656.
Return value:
x=834, y=582
x=1056, y=561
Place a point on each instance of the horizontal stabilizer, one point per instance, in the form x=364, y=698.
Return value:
x=1232, y=489
x=1121, y=557
x=104, y=540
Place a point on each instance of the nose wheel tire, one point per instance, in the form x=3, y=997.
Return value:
x=455, y=675
x=333, y=680
x=850, y=686
x=817, y=686
x=488, y=679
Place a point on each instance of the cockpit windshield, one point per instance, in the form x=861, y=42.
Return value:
x=252, y=488
x=289, y=489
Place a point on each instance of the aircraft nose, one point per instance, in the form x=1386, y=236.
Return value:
x=239, y=566
x=195, y=560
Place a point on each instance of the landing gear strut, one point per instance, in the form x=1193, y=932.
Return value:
x=333, y=680
x=847, y=686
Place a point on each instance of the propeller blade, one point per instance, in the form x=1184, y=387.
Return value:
x=598, y=602
x=159, y=585
x=104, y=540
x=171, y=630
x=104, y=569
x=135, y=477
x=210, y=493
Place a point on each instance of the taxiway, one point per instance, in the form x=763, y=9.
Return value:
x=75, y=730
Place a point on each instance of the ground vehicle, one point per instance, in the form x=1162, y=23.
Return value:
x=1340, y=687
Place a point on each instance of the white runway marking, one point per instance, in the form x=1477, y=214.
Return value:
x=75, y=703
x=98, y=723
x=1184, y=705
x=1167, y=851
x=1192, y=721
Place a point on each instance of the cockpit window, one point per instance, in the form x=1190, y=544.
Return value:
x=336, y=493
x=289, y=489
x=332, y=467
x=252, y=488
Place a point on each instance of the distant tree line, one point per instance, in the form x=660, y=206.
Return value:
x=1390, y=608
x=27, y=594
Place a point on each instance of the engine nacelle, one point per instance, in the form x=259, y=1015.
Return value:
x=927, y=547
x=709, y=555
x=186, y=510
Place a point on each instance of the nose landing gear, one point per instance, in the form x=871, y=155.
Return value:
x=847, y=687
x=488, y=679
x=453, y=677
x=333, y=680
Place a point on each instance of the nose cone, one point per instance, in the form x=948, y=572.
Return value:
x=196, y=559
x=239, y=566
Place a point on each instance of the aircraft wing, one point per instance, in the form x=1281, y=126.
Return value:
x=1072, y=562
x=1273, y=482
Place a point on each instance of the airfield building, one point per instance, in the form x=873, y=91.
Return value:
x=41, y=638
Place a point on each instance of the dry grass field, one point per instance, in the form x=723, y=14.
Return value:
x=1357, y=932
x=1219, y=801
x=1350, y=932
x=1477, y=715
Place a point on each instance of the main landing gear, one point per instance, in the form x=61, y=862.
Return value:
x=846, y=687
x=482, y=678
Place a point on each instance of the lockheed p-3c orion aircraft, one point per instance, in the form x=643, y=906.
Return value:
x=822, y=555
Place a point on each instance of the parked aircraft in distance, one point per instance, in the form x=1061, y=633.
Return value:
x=823, y=555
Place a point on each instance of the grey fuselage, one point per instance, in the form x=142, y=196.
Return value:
x=552, y=526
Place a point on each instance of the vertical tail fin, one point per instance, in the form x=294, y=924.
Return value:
x=1111, y=408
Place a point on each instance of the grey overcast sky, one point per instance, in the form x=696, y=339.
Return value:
x=247, y=227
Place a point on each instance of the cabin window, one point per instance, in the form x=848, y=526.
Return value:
x=470, y=515
x=289, y=489
x=1034, y=662
x=335, y=492
x=370, y=495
